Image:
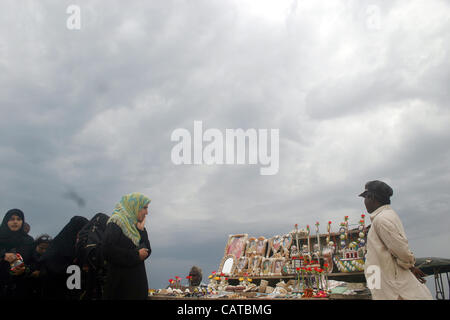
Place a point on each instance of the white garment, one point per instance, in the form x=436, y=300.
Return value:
x=387, y=248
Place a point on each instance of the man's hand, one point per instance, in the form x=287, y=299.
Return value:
x=143, y=253
x=418, y=274
x=141, y=225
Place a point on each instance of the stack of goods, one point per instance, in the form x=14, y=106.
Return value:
x=298, y=254
x=303, y=260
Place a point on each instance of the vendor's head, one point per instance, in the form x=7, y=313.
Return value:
x=196, y=274
x=377, y=193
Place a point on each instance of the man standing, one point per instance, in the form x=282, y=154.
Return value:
x=388, y=250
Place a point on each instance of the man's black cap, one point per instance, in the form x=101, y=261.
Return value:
x=379, y=189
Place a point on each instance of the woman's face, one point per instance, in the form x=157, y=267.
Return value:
x=42, y=247
x=15, y=223
x=142, y=213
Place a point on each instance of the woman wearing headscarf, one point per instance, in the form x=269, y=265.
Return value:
x=60, y=255
x=34, y=267
x=125, y=248
x=13, y=241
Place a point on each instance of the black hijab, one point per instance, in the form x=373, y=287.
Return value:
x=13, y=240
x=61, y=251
x=99, y=220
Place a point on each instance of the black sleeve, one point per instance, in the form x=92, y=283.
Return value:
x=145, y=242
x=5, y=251
x=26, y=250
x=4, y=271
x=116, y=254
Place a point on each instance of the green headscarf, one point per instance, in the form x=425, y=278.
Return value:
x=125, y=215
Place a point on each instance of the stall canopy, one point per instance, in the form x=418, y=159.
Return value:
x=433, y=265
x=437, y=267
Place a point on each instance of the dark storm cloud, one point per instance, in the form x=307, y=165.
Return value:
x=72, y=195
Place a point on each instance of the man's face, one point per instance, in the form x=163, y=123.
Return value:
x=371, y=204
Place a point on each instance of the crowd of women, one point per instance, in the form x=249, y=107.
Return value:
x=109, y=251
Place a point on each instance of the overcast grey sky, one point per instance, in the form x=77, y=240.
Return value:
x=357, y=89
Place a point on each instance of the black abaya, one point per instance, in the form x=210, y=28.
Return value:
x=12, y=286
x=60, y=255
x=126, y=277
x=90, y=258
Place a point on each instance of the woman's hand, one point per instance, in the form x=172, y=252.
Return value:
x=35, y=274
x=10, y=257
x=141, y=225
x=143, y=253
x=18, y=271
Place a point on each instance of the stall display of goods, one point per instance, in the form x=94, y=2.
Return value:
x=298, y=265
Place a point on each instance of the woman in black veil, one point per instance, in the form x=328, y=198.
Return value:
x=89, y=257
x=13, y=241
x=60, y=255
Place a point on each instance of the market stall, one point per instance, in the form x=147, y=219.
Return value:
x=296, y=265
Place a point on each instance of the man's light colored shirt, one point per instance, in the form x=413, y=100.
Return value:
x=387, y=248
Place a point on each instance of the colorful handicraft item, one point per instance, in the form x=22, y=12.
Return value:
x=352, y=256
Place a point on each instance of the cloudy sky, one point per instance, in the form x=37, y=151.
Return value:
x=357, y=89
